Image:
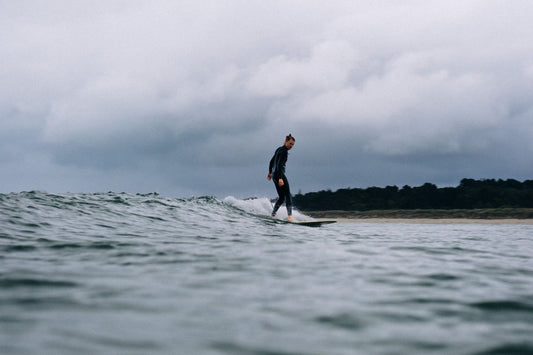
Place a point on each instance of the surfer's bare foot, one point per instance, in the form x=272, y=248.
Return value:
x=289, y=219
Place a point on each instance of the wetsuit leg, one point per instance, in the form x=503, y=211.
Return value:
x=281, y=198
x=288, y=199
x=284, y=193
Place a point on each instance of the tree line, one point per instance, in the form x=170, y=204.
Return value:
x=469, y=194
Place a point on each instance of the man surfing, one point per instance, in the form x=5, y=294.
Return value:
x=276, y=171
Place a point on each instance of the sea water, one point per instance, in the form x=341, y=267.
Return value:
x=145, y=274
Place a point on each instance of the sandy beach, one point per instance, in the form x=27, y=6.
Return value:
x=436, y=220
x=432, y=216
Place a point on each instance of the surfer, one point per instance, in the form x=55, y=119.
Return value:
x=276, y=171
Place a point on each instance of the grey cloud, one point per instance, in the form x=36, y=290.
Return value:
x=190, y=97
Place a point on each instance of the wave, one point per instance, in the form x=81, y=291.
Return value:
x=46, y=216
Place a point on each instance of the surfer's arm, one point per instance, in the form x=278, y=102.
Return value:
x=270, y=165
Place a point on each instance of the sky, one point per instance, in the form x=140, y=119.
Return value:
x=191, y=98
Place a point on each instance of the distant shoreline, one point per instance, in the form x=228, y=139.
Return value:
x=493, y=216
x=437, y=220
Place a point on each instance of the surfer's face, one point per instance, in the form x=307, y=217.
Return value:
x=289, y=144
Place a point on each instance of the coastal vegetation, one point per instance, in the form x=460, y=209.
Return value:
x=486, y=198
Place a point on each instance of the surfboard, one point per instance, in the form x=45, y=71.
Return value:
x=314, y=223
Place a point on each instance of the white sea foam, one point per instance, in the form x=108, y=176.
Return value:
x=263, y=206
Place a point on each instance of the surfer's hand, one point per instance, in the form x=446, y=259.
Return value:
x=269, y=176
x=280, y=182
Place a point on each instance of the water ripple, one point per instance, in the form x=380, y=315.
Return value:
x=123, y=273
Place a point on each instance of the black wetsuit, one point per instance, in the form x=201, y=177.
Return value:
x=277, y=169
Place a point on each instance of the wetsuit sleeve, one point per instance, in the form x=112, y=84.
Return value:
x=271, y=164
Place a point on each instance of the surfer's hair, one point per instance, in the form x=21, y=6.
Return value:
x=289, y=137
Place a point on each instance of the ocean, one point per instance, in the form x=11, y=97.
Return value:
x=116, y=273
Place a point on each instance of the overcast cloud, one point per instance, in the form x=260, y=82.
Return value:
x=192, y=97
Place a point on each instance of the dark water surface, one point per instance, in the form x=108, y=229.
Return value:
x=143, y=274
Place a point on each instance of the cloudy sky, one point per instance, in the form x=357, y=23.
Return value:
x=192, y=97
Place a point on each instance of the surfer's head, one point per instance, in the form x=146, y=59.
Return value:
x=289, y=141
